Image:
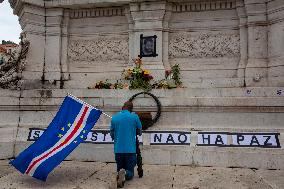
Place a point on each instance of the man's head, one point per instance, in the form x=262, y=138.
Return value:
x=128, y=105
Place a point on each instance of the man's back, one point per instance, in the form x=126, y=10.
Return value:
x=124, y=125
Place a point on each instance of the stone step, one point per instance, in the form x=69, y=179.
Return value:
x=178, y=101
x=185, y=92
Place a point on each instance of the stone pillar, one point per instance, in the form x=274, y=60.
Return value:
x=256, y=69
x=243, y=39
x=166, y=36
x=148, y=20
x=275, y=11
x=64, y=46
x=32, y=21
x=52, y=71
x=131, y=35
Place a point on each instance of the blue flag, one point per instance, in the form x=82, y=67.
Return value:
x=67, y=130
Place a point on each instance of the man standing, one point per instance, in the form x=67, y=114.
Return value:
x=124, y=127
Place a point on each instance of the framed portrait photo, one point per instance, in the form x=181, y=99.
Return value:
x=148, y=46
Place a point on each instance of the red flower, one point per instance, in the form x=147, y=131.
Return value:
x=167, y=73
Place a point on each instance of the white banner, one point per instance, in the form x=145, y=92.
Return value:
x=94, y=136
x=267, y=140
x=221, y=139
x=170, y=138
x=212, y=139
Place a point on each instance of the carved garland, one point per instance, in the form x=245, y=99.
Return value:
x=184, y=45
x=101, y=49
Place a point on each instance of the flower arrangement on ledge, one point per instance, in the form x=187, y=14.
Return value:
x=108, y=85
x=139, y=78
x=172, y=79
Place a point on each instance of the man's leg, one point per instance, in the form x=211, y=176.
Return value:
x=130, y=164
x=120, y=163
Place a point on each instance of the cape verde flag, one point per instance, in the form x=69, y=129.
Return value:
x=67, y=130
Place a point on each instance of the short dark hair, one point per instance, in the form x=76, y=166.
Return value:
x=128, y=105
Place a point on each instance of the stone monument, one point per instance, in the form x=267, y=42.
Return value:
x=231, y=57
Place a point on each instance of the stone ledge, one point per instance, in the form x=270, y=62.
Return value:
x=9, y=93
x=189, y=92
x=169, y=101
x=108, y=109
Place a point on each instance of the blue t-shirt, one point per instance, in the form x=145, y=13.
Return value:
x=123, y=126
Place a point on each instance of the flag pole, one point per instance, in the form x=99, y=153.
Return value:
x=87, y=104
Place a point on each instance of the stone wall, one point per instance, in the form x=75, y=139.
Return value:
x=206, y=43
x=217, y=43
x=98, y=42
x=192, y=110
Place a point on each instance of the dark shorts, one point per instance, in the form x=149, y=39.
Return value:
x=126, y=161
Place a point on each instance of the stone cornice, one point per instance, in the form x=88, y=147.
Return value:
x=97, y=12
x=17, y=5
x=84, y=3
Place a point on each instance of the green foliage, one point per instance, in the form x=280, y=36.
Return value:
x=118, y=85
x=172, y=79
x=140, y=83
x=176, y=74
x=108, y=85
x=103, y=85
x=7, y=42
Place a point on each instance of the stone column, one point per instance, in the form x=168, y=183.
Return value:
x=52, y=71
x=243, y=39
x=64, y=46
x=166, y=36
x=131, y=35
x=148, y=20
x=32, y=21
x=256, y=69
x=275, y=11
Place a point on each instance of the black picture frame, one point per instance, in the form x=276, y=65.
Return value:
x=148, y=46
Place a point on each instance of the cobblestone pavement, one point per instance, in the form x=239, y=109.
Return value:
x=96, y=175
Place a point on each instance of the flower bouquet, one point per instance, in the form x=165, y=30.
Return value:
x=172, y=79
x=108, y=85
x=139, y=78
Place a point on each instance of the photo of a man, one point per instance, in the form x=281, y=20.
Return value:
x=148, y=46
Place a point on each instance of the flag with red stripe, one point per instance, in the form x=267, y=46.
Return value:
x=67, y=130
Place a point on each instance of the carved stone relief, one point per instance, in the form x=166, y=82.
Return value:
x=102, y=49
x=184, y=45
